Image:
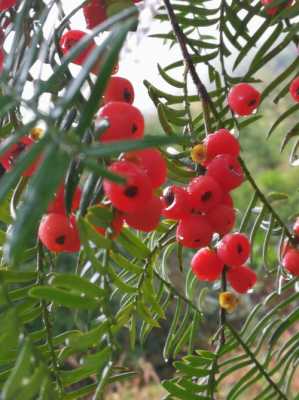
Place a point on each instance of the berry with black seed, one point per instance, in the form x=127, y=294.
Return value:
x=194, y=231
x=58, y=233
x=206, y=265
x=234, y=249
x=294, y=89
x=243, y=99
x=125, y=122
x=70, y=39
x=145, y=219
x=175, y=202
x=152, y=162
x=227, y=171
x=241, y=278
x=205, y=193
x=134, y=193
x=222, y=219
x=290, y=261
x=119, y=89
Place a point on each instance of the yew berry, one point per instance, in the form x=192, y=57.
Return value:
x=234, y=249
x=58, y=233
x=116, y=226
x=222, y=219
x=119, y=89
x=70, y=39
x=206, y=265
x=58, y=205
x=296, y=227
x=94, y=13
x=220, y=142
x=241, y=278
x=175, y=202
x=152, y=162
x=294, y=89
x=147, y=218
x=6, y=4
x=274, y=10
x=125, y=122
x=227, y=200
x=205, y=193
x=243, y=99
x=290, y=261
x=227, y=171
x=133, y=194
x=194, y=231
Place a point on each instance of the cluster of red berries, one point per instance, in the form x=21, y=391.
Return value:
x=290, y=253
x=57, y=231
x=97, y=11
x=274, y=10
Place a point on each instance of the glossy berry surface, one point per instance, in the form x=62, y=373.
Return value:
x=125, y=122
x=227, y=171
x=205, y=193
x=241, y=278
x=70, y=39
x=58, y=233
x=58, y=206
x=206, y=265
x=94, y=13
x=220, y=142
x=294, y=89
x=119, y=89
x=222, y=219
x=290, y=261
x=133, y=194
x=175, y=202
x=6, y=4
x=194, y=231
x=152, y=162
x=243, y=99
x=147, y=218
x=234, y=249
x=227, y=200
x=274, y=10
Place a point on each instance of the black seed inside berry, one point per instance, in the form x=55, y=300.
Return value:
x=60, y=239
x=131, y=191
x=239, y=249
x=127, y=96
x=134, y=128
x=206, y=196
x=168, y=196
x=252, y=103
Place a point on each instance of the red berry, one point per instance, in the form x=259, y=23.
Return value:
x=243, y=99
x=194, y=231
x=220, y=142
x=290, y=261
x=94, y=13
x=116, y=225
x=241, y=278
x=146, y=218
x=152, y=162
x=57, y=206
x=274, y=10
x=234, y=249
x=119, y=89
x=6, y=4
x=227, y=200
x=206, y=265
x=70, y=39
x=294, y=89
x=125, y=122
x=227, y=171
x=222, y=219
x=10, y=157
x=58, y=233
x=175, y=202
x=205, y=193
x=133, y=194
